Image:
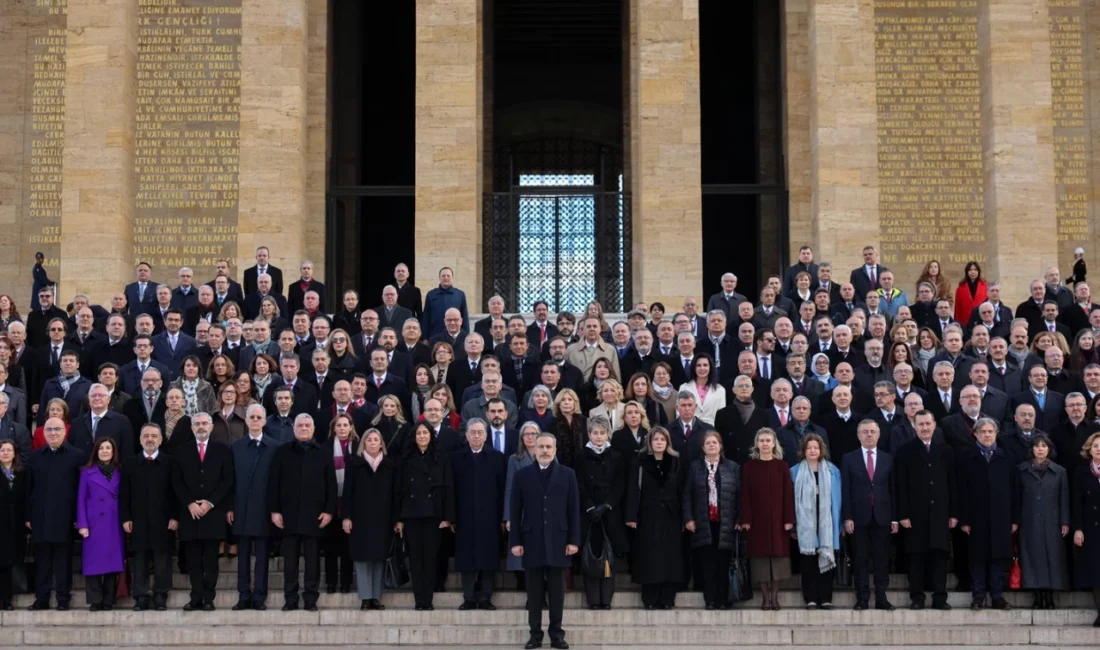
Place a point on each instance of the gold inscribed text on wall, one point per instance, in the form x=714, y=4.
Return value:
x=929, y=133
x=188, y=133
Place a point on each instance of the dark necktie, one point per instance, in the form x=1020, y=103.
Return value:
x=439, y=377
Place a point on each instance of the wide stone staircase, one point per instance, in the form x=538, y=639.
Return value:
x=340, y=622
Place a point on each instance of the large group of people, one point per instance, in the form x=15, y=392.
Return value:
x=823, y=423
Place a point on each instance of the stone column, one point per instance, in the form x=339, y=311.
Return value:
x=1018, y=142
x=665, y=150
x=98, y=179
x=274, y=88
x=796, y=108
x=449, y=164
x=843, y=132
x=317, y=131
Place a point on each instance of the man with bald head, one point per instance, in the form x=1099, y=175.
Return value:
x=391, y=314
x=264, y=289
x=454, y=330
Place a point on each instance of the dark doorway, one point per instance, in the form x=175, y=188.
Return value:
x=373, y=73
x=556, y=222
x=744, y=185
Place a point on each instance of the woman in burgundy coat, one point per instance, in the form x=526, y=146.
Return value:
x=767, y=515
x=97, y=522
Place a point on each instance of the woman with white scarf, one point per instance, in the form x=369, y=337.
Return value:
x=710, y=511
x=817, y=520
x=369, y=508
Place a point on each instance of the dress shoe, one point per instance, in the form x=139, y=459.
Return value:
x=607, y=606
x=1096, y=623
x=192, y=606
x=826, y=605
x=7, y=607
x=364, y=605
x=63, y=607
x=560, y=644
x=943, y=607
x=429, y=608
x=467, y=605
x=38, y=606
x=419, y=608
x=290, y=607
x=259, y=607
x=860, y=606
x=916, y=605
x=312, y=607
x=649, y=606
x=141, y=606
x=977, y=603
x=241, y=606
x=91, y=608
x=345, y=589
x=711, y=607
x=208, y=607
x=331, y=589
x=1001, y=604
x=374, y=603
x=811, y=605
x=1040, y=601
x=109, y=607
x=885, y=606
x=487, y=606
x=533, y=643
x=161, y=607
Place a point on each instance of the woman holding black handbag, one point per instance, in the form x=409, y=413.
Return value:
x=711, y=515
x=602, y=482
x=426, y=491
x=370, y=509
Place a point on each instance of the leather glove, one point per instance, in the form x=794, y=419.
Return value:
x=594, y=514
x=603, y=509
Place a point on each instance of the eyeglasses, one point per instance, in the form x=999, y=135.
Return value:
x=57, y=329
x=339, y=340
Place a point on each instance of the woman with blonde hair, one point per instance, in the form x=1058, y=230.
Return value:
x=631, y=436
x=767, y=515
x=524, y=456
x=611, y=404
x=370, y=503
x=570, y=427
x=390, y=421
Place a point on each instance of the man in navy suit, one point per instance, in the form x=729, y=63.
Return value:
x=867, y=508
x=76, y=393
x=1049, y=405
x=866, y=277
x=233, y=289
x=172, y=345
x=142, y=294
x=383, y=382
x=545, y=531
x=131, y=373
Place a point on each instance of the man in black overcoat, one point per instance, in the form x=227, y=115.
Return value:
x=249, y=516
x=302, y=499
x=479, y=472
x=203, y=483
x=927, y=509
x=989, y=512
x=546, y=533
x=147, y=507
x=53, y=473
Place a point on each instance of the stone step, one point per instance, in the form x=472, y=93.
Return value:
x=842, y=599
x=620, y=618
x=204, y=634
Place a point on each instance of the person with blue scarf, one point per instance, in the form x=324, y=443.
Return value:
x=817, y=495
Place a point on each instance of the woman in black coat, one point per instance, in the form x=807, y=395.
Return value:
x=653, y=509
x=711, y=517
x=601, y=479
x=13, y=532
x=370, y=512
x=1086, y=520
x=427, y=505
x=989, y=512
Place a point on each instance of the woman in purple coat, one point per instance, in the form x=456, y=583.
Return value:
x=97, y=522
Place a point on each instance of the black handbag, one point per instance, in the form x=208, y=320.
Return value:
x=843, y=573
x=597, y=563
x=395, y=572
x=740, y=582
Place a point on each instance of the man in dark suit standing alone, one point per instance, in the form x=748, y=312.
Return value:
x=263, y=265
x=867, y=508
x=545, y=497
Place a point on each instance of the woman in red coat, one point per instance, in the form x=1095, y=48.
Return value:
x=970, y=293
x=767, y=515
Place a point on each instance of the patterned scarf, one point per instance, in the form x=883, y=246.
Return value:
x=1095, y=469
x=67, y=382
x=190, y=396
x=170, y=422
x=338, y=449
x=712, y=490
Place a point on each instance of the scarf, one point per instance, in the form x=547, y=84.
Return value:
x=987, y=452
x=170, y=422
x=190, y=396
x=924, y=356
x=423, y=391
x=67, y=382
x=338, y=448
x=373, y=461
x=1040, y=465
x=664, y=392
x=106, y=469
x=9, y=474
x=745, y=409
x=712, y=490
x=598, y=450
x=261, y=383
x=825, y=377
x=813, y=503
x=1095, y=469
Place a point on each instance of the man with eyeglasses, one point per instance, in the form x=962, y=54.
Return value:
x=38, y=320
x=101, y=422
x=131, y=373
x=148, y=403
x=252, y=456
x=49, y=354
x=145, y=508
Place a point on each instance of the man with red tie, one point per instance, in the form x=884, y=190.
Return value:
x=866, y=278
x=542, y=330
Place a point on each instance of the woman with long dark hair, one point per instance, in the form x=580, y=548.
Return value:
x=13, y=504
x=971, y=292
x=1044, y=523
x=342, y=438
x=427, y=506
x=98, y=523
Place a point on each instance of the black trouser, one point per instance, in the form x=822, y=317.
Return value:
x=692, y=571
x=294, y=547
x=337, y=557
x=928, y=570
x=659, y=594
x=960, y=548
x=101, y=589
x=445, y=550
x=870, y=543
x=817, y=587
x=422, y=538
x=714, y=564
x=542, y=581
x=162, y=576
x=477, y=586
x=202, y=567
x=5, y=584
x=252, y=582
x=53, y=563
